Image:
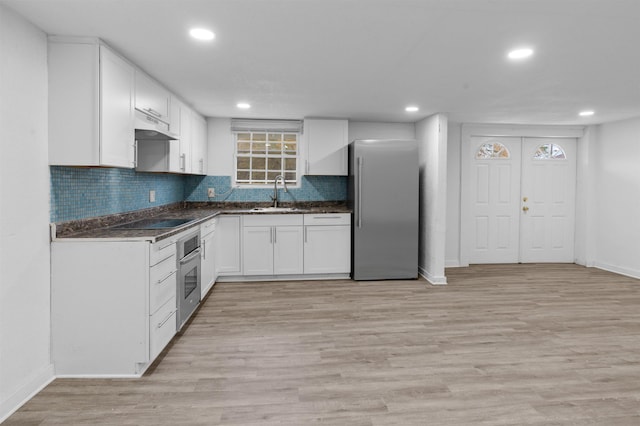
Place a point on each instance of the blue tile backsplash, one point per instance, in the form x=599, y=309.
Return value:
x=78, y=192
x=312, y=188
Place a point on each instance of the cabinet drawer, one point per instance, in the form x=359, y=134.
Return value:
x=208, y=227
x=327, y=219
x=162, y=250
x=162, y=327
x=162, y=283
x=272, y=220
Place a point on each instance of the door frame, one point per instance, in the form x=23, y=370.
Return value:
x=495, y=130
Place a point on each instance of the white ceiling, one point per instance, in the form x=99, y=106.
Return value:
x=368, y=59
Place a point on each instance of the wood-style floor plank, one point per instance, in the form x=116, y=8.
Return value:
x=499, y=345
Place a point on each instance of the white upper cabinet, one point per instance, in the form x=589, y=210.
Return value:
x=199, y=144
x=326, y=143
x=91, y=93
x=151, y=97
x=186, y=135
x=187, y=154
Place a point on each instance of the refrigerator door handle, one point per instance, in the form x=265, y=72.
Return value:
x=359, y=204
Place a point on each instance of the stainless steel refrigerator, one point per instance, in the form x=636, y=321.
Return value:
x=383, y=194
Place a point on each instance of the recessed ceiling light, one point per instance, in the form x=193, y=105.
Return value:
x=412, y=109
x=586, y=113
x=243, y=105
x=202, y=34
x=520, y=53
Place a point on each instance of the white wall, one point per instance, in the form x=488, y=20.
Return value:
x=454, y=146
x=220, y=140
x=220, y=147
x=24, y=213
x=615, y=162
x=585, y=198
x=431, y=134
x=375, y=130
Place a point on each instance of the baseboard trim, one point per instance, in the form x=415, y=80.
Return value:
x=452, y=263
x=305, y=277
x=433, y=280
x=27, y=391
x=632, y=273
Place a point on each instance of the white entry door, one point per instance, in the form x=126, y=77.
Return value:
x=522, y=200
x=548, y=200
x=495, y=203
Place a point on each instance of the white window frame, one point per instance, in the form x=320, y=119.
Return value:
x=298, y=157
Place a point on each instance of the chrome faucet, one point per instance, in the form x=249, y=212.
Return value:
x=274, y=197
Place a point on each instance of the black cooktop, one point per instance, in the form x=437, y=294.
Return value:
x=159, y=223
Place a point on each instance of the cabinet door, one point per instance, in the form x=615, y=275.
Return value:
x=288, y=250
x=198, y=144
x=151, y=98
x=257, y=250
x=208, y=263
x=186, y=135
x=174, y=115
x=227, y=237
x=117, y=137
x=327, y=249
x=326, y=147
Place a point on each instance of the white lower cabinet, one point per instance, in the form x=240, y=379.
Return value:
x=257, y=253
x=208, y=262
x=258, y=246
x=327, y=243
x=228, y=245
x=272, y=245
x=113, y=305
x=162, y=327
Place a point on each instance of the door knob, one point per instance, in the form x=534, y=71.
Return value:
x=525, y=209
x=525, y=199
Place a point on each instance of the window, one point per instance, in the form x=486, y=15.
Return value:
x=493, y=150
x=263, y=155
x=549, y=151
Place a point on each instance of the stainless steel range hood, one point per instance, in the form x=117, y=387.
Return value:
x=149, y=128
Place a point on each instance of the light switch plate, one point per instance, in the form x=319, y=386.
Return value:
x=152, y=196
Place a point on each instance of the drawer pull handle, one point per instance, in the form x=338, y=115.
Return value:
x=326, y=217
x=172, y=242
x=152, y=112
x=165, y=259
x=161, y=280
x=161, y=323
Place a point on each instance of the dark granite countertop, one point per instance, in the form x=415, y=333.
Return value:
x=104, y=227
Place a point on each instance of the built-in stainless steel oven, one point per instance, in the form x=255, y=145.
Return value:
x=189, y=276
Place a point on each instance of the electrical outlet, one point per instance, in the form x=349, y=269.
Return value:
x=211, y=192
x=152, y=196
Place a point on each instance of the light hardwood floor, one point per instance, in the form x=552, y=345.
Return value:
x=499, y=345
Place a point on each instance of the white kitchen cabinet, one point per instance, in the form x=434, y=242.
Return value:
x=288, y=254
x=187, y=154
x=272, y=245
x=151, y=98
x=174, y=115
x=208, y=265
x=198, y=144
x=327, y=243
x=325, y=146
x=228, y=247
x=257, y=253
x=91, y=104
x=113, y=305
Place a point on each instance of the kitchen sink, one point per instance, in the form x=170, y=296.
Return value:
x=274, y=209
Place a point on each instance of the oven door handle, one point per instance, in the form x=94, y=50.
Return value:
x=192, y=255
